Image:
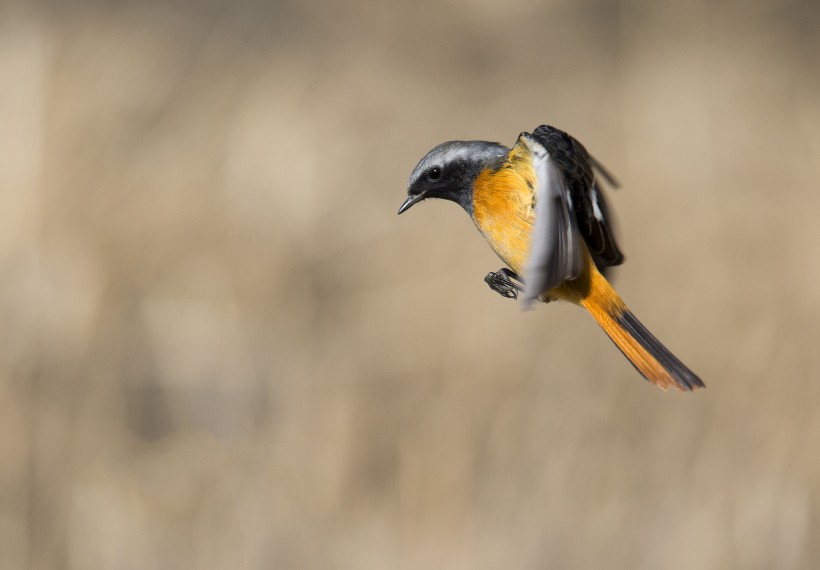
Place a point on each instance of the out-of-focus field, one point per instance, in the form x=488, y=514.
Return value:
x=221, y=348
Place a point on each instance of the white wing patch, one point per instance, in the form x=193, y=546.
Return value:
x=596, y=209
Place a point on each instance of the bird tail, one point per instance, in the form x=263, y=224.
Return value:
x=646, y=353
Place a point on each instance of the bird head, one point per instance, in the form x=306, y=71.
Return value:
x=450, y=170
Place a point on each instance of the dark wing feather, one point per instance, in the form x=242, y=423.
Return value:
x=587, y=201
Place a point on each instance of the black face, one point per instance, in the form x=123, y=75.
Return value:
x=437, y=181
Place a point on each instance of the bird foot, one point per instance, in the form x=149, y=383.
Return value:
x=504, y=282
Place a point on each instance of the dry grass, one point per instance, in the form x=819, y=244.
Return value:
x=221, y=348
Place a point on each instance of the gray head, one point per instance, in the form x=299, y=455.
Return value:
x=449, y=172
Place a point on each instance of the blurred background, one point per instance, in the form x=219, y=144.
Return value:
x=222, y=349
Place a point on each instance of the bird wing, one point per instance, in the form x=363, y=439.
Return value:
x=555, y=253
x=586, y=197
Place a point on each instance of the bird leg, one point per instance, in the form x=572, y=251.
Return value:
x=504, y=282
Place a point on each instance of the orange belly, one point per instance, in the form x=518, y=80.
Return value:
x=504, y=208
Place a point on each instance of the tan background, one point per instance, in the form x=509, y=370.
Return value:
x=222, y=349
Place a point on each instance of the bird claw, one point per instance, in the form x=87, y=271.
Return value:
x=501, y=282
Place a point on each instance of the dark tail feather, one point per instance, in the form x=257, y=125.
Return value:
x=646, y=353
x=684, y=378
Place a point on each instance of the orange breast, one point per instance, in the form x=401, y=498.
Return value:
x=504, y=208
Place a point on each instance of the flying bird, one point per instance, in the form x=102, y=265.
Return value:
x=540, y=207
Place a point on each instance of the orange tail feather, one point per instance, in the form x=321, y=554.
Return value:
x=651, y=358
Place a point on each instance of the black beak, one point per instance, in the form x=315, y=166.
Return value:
x=410, y=201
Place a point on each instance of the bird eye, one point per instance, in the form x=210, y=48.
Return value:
x=434, y=173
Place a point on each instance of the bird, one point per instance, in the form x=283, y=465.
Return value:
x=541, y=208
